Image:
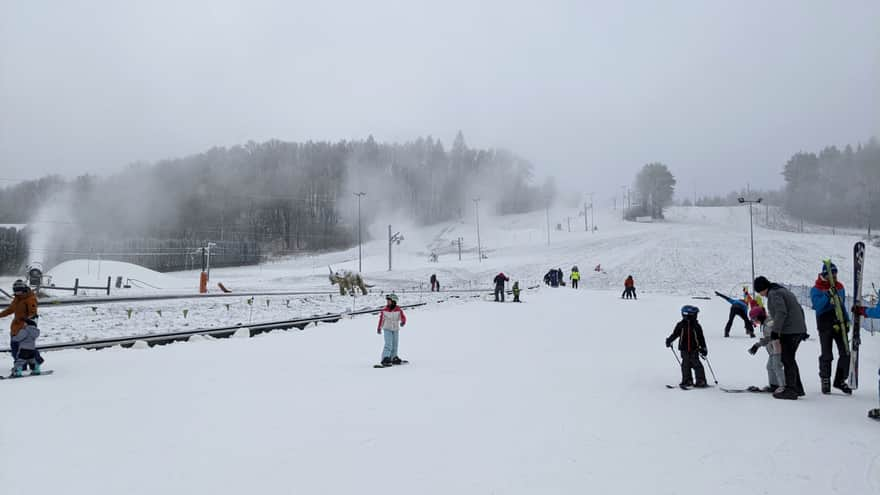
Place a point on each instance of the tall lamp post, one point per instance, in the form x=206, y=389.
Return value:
x=477, y=214
x=360, y=254
x=751, y=202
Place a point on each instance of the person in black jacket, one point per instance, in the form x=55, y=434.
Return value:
x=692, y=345
x=499, y=280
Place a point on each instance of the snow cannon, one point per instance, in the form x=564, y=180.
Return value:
x=35, y=274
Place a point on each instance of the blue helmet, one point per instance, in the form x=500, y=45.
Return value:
x=689, y=310
x=825, y=269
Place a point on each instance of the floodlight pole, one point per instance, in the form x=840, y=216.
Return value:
x=751, y=202
x=360, y=253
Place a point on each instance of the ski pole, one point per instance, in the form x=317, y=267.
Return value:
x=675, y=354
x=706, y=358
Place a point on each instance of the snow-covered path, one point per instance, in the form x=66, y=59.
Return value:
x=562, y=394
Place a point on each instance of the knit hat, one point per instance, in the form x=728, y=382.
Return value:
x=761, y=283
x=825, y=269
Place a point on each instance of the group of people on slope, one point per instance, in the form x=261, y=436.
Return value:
x=499, y=282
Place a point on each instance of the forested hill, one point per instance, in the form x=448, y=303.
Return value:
x=290, y=196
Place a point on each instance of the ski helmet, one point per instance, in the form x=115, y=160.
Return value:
x=392, y=297
x=757, y=314
x=689, y=310
x=825, y=269
x=19, y=286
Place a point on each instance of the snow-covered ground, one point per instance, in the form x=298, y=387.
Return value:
x=561, y=394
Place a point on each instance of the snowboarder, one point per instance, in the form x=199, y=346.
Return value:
x=22, y=307
x=516, y=291
x=775, y=373
x=435, y=284
x=831, y=331
x=26, y=354
x=787, y=324
x=575, y=277
x=499, y=280
x=391, y=320
x=552, y=278
x=629, y=288
x=738, y=307
x=692, y=345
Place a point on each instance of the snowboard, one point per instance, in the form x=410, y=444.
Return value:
x=858, y=264
x=25, y=375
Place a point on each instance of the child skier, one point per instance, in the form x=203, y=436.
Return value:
x=391, y=319
x=775, y=373
x=516, y=291
x=692, y=345
x=26, y=338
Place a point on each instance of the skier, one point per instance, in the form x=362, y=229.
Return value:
x=26, y=354
x=787, y=324
x=692, y=345
x=516, y=291
x=629, y=288
x=775, y=373
x=752, y=301
x=552, y=278
x=575, y=277
x=738, y=307
x=831, y=331
x=391, y=320
x=499, y=280
x=435, y=284
x=560, y=276
x=22, y=307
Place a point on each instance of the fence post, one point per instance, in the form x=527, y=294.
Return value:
x=75, y=286
x=108, y=285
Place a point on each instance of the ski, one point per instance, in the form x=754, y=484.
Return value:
x=842, y=324
x=687, y=387
x=380, y=365
x=752, y=389
x=858, y=264
x=25, y=375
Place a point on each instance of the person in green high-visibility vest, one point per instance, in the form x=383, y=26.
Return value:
x=575, y=276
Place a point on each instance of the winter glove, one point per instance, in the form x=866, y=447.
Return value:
x=668, y=343
x=753, y=349
x=379, y=331
x=704, y=352
x=402, y=325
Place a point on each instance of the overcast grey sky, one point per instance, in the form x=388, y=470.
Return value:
x=722, y=92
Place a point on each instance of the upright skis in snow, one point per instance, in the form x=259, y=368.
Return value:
x=858, y=264
x=842, y=325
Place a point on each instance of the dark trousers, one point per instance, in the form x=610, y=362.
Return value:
x=828, y=337
x=629, y=293
x=516, y=297
x=790, y=343
x=691, y=360
x=574, y=283
x=738, y=311
x=499, y=293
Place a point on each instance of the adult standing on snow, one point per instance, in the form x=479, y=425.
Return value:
x=435, y=284
x=23, y=307
x=575, y=277
x=629, y=288
x=391, y=320
x=738, y=307
x=786, y=324
x=499, y=286
x=831, y=331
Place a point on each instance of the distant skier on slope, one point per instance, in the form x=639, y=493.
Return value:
x=391, y=320
x=575, y=277
x=738, y=307
x=499, y=280
x=775, y=373
x=23, y=306
x=435, y=284
x=561, y=276
x=516, y=291
x=692, y=345
x=551, y=278
x=26, y=340
x=831, y=331
x=629, y=288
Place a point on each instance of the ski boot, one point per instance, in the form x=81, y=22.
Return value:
x=16, y=372
x=843, y=387
x=397, y=360
x=785, y=394
x=874, y=413
x=386, y=362
x=701, y=384
x=826, y=386
x=36, y=369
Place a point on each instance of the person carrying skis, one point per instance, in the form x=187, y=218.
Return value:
x=26, y=338
x=738, y=307
x=788, y=325
x=575, y=277
x=516, y=291
x=831, y=331
x=629, y=288
x=391, y=320
x=692, y=345
x=22, y=307
x=435, y=284
x=775, y=373
x=499, y=280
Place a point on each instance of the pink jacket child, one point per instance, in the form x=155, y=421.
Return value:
x=391, y=320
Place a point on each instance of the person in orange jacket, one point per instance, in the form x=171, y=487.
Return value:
x=23, y=307
x=629, y=288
